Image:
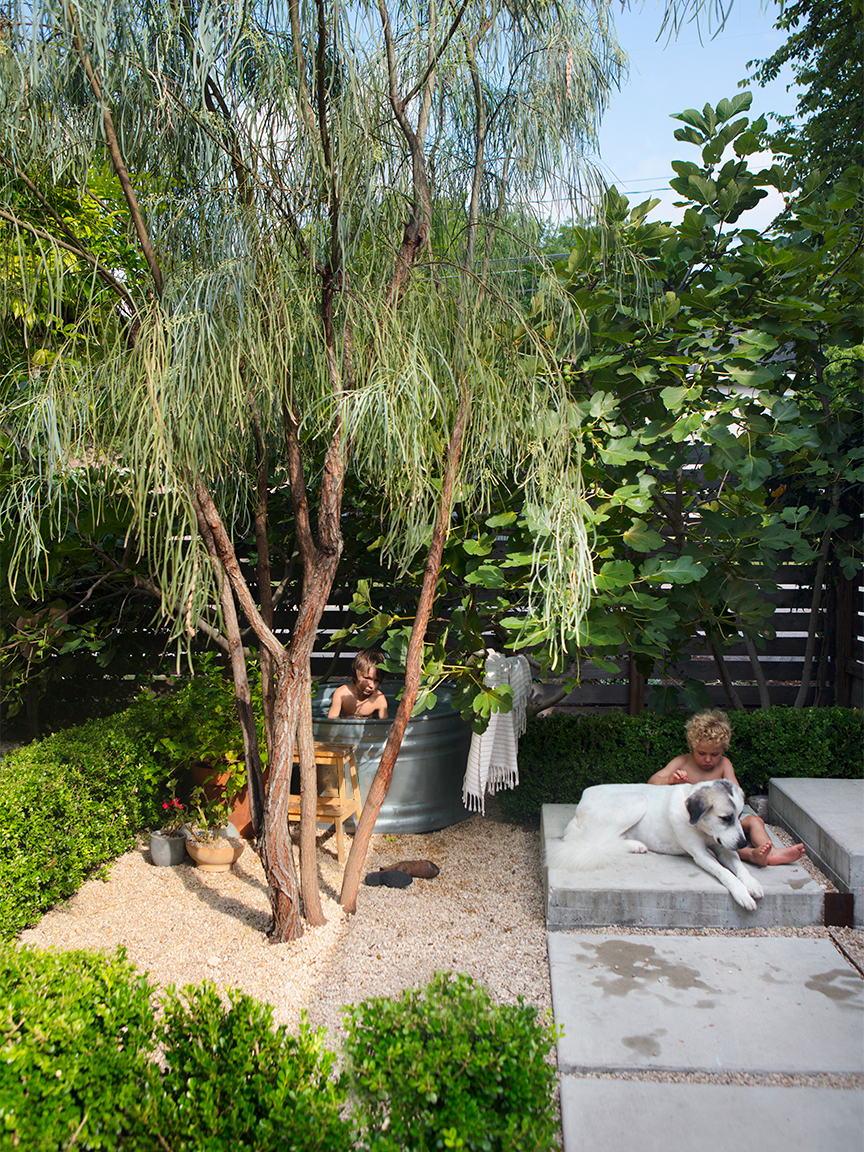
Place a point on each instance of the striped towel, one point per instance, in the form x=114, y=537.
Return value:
x=492, y=759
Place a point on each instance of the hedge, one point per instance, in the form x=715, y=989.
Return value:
x=68, y=804
x=86, y=1061
x=560, y=756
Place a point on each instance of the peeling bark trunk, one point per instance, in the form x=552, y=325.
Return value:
x=308, y=811
x=380, y=784
x=242, y=695
x=277, y=853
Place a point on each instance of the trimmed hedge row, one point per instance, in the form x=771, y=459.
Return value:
x=441, y=1067
x=69, y=804
x=560, y=756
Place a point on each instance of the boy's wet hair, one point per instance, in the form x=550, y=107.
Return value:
x=365, y=662
x=710, y=726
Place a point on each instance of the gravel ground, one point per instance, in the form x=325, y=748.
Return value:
x=483, y=915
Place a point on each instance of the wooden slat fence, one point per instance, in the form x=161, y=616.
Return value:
x=837, y=674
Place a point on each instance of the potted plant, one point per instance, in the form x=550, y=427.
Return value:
x=168, y=843
x=209, y=844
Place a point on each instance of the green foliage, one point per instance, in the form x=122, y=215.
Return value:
x=718, y=392
x=441, y=1067
x=197, y=723
x=444, y=1067
x=826, y=51
x=76, y=1033
x=560, y=756
x=77, y=799
x=233, y=1081
x=69, y=804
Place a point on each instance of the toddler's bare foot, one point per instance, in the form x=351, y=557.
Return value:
x=756, y=856
x=785, y=855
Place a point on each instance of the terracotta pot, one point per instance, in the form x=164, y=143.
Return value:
x=209, y=776
x=215, y=855
x=240, y=816
x=167, y=848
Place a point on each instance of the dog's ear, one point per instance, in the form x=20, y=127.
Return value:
x=696, y=806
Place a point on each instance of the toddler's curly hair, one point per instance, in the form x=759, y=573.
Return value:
x=711, y=726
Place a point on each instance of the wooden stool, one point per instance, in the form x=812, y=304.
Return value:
x=334, y=805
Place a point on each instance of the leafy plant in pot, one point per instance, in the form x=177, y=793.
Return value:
x=210, y=846
x=168, y=843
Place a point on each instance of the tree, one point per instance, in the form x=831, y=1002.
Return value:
x=826, y=51
x=282, y=168
x=719, y=389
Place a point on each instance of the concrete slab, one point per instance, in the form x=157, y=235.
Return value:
x=653, y=891
x=611, y=1115
x=828, y=816
x=788, y=1005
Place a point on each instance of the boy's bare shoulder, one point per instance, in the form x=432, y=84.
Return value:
x=685, y=760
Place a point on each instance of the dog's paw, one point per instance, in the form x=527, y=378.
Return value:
x=745, y=900
x=755, y=889
x=634, y=846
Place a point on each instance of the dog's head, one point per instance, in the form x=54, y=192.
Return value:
x=716, y=807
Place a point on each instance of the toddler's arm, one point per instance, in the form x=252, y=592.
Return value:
x=671, y=774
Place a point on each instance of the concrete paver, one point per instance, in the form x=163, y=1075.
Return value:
x=615, y=1115
x=828, y=816
x=695, y=1003
x=654, y=891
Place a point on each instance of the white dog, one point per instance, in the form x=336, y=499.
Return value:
x=700, y=820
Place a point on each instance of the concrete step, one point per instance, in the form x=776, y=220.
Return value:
x=654, y=891
x=828, y=817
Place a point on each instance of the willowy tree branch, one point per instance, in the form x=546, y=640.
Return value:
x=119, y=164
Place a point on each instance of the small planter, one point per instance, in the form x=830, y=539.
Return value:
x=167, y=848
x=215, y=855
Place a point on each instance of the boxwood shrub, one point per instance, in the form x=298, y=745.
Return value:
x=76, y=1032
x=85, y=1063
x=560, y=755
x=70, y=803
x=446, y=1067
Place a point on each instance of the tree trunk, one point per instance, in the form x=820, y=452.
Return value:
x=308, y=811
x=277, y=853
x=764, y=695
x=726, y=680
x=380, y=784
x=818, y=581
x=636, y=687
x=242, y=695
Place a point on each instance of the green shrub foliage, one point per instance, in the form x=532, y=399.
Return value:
x=445, y=1067
x=233, y=1081
x=77, y=799
x=68, y=804
x=76, y=1034
x=560, y=756
x=441, y=1067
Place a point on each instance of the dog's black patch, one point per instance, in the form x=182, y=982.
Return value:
x=696, y=806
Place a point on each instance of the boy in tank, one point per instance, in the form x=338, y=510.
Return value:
x=363, y=696
x=709, y=735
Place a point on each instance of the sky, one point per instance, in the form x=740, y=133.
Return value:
x=637, y=143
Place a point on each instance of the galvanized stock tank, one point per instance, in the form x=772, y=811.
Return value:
x=426, y=789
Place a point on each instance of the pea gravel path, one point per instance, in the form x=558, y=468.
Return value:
x=482, y=915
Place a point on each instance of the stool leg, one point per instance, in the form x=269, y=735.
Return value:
x=340, y=840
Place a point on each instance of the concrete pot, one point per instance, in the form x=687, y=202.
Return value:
x=167, y=848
